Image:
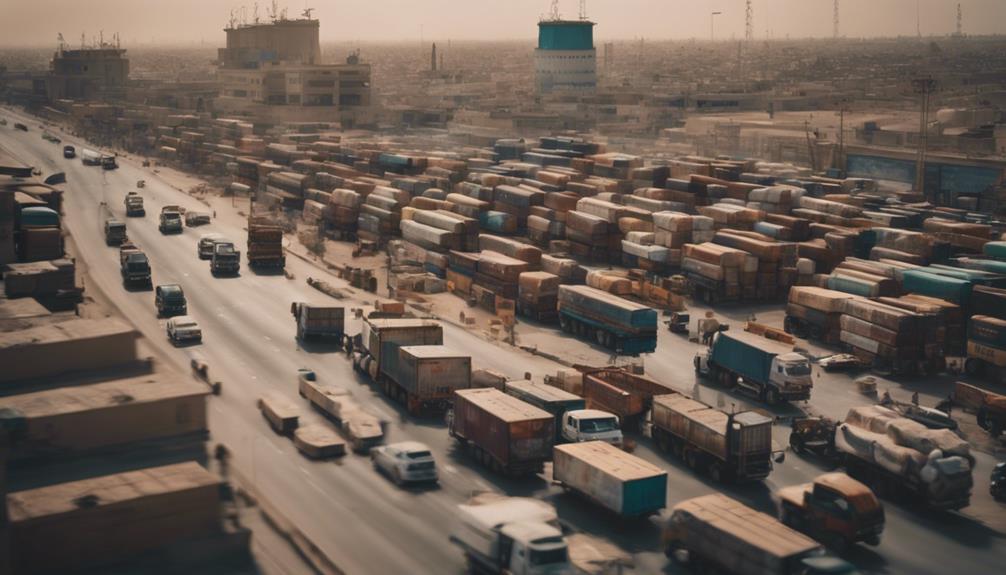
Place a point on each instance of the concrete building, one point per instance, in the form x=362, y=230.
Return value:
x=98, y=73
x=565, y=59
x=274, y=71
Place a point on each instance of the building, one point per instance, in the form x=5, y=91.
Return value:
x=98, y=73
x=565, y=59
x=274, y=71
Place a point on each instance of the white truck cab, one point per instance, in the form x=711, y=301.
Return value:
x=591, y=425
x=791, y=373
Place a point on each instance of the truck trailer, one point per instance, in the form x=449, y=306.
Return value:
x=613, y=322
x=363, y=429
x=265, y=242
x=770, y=370
x=986, y=348
x=618, y=481
x=551, y=399
x=732, y=447
x=503, y=432
x=316, y=321
x=622, y=393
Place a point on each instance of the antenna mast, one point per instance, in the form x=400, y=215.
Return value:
x=583, y=9
x=834, y=22
x=749, y=22
x=960, y=20
x=554, y=12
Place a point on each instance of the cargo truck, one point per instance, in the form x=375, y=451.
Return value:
x=511, y=535
x=986, y=348
x=573, y=422
x=265, y=243
x=363, y=429
x=613, y=322
x=618, y=481
x=733, y=447
x=134, y=205
x=421, y=381
x=835, y=509
x=627, y=395
x=316, y=321
x=770, y=370
x=135, y=268
x=115, y=232
x=226, y=259
x=282, y=415
x=89, y=157
x=503, y=432
x=718, y=533
x=170, y=221
x=898, y=458
x=109, y=162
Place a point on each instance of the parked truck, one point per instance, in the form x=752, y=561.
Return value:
x=898, y=457
x=226, y=259
x=134, y=205
x=511, y=535
x=363, y=429
x=618, y=391
x=986, y=348
x=733, y=447
x=170, y=221
x=265, y=243
x=573, y=421
x=834, y=509
x=317, y=321
x=724, y=534
x=616, y=480
x=769, y=369
x=613, y=322
x=424, y=380
x=503, y=432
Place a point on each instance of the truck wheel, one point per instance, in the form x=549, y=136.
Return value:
x=691, y=459
x=772, y=396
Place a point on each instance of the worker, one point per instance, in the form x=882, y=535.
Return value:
x=915, y=398
x=886, y=398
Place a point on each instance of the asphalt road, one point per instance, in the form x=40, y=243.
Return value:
x=366, y=524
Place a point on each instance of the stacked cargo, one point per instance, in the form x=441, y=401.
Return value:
x=776, y=262
x=538, y=294
x=7, y=251
x=287, y=188
x=512, y=248
x=547, y=222
x=942, y=321
x=496, y=275
x=265, y=242
x=778, y=199
x=381, y=213
x=517, y=202
x=908, y=246
x=343, y=211
x=730, y=216
x=719, y=273
x=587, y=236
x=815, y=312
x=966, y=237
x=39, y=236
x=52, y=283
x=888, y=337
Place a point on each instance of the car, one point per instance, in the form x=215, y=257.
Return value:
x=840, y=362
x=184, y=329
x=193, y=219
x=405, y=462
x=169, y=299
x=204, y=248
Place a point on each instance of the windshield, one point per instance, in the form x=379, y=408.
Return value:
x=798, y=369
x=599, y=425
x=418, y=454
x=548, y=556
x=185, y=324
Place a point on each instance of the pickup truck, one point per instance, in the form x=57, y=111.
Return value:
x=135, y=268
x=115, y=232
x=225, y=260
x=170, y=222
x=835, y=509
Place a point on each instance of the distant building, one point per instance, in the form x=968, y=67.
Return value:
x=274, y=71
x=565, y=59
x=98, y=73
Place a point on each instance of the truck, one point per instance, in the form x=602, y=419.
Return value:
x=427, y=387
x=504, y=433
x=109, y=162
x=225, y=259
x=834, y=509
x=573, y=421
x=722, y=533
x=135, y=268
x=281, y=414
x=770, y=370
x=134, y=205
x=986, y=348
x=316, y=321
x=613, y=322
x=992, y=414
x=618, y=391
x=89, y=157
x=115, y=232
x=363, y=429
x=898, y=457
x=618, y=481
x=69, y=152
x=733, y=447
x=511, y=535
x=170, y=221
x=265, y=243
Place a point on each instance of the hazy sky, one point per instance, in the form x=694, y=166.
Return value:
x=36, y=22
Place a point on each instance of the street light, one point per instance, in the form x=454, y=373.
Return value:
x=712, y=16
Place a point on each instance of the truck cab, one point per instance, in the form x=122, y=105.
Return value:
x=769, y=370
x=226, y=259
x=591, y=425
x=134, y=204
x=115, y=232
x=171, y=222
x=791, y=374
x=170, y=300
x=834, y=509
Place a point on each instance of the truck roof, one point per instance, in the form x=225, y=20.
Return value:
x=611, y=460
x=740, y=521
x=386, y=323
x=432, y=351
x=542, y=391
x=758, y=341
x=604, y=296
x=505, y=407
x=508, y=510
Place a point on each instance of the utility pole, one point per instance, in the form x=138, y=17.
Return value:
x=749, y=22
x=960, y=21
x=712, y=16
x=842, y=109
x=834, y=21
x=924, y=87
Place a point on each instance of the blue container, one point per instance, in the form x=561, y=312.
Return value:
x=952, y=289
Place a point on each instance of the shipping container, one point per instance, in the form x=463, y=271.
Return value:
x=614, y=322
x=429, y=374
x=501, y=431
x=616, y=480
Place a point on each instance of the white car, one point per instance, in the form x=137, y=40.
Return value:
x=406, y=462
x=184, y=329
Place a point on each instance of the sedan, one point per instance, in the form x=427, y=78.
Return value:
x=184, y=329
x=406, y=462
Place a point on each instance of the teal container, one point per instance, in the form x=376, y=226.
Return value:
x=952, y=289
x=39, y=217
x=995, y=250
x=978, y=277
x=991, y=266
x=854, y=286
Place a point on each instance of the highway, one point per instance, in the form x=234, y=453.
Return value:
x=362, y=521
